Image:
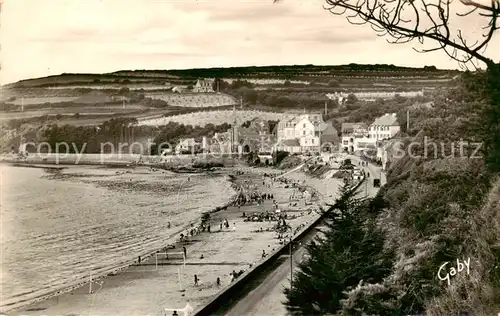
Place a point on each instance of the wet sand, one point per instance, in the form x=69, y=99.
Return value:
x=148, y=288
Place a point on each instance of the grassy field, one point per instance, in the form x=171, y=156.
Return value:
x=40, y=100
x=198, y=100
x=145, y=87
x=214, y=117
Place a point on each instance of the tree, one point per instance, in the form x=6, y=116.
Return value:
x=351, y=252
x=279, y=155
x=220, y=84
x=334, y=83
x=123, y=91
x=351, y=98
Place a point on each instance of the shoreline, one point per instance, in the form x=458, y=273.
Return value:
x=107, y=272
x=120, y=270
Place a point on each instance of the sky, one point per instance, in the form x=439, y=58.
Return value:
x=49, y=37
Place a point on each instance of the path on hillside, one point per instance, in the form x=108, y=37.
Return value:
x=267, y=297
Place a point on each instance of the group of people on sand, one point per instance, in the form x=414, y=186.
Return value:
x=263, y=217
x=233, y=276
x=248, y=198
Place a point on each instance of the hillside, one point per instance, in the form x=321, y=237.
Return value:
x=188, y=76
x=441, y=204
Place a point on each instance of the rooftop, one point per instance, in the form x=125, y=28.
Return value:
x=290, y=142
x=351, y=127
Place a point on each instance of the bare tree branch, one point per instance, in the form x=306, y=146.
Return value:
x=402, y=21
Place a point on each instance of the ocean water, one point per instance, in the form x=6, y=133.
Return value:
x=56, y=229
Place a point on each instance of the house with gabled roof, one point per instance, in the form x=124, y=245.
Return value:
x=204, y=85
x=354, y=136
x=384, y=127
x=301, y=133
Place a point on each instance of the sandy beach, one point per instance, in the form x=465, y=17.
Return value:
x=147, y=288
x=91, y=219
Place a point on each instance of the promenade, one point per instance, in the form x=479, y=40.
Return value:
x=267, y=297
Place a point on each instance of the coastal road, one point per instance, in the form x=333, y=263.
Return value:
x=267, y=297
x=367, y=188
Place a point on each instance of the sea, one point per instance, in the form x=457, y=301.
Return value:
x=60, y=227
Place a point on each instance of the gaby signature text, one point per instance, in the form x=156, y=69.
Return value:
x=461, y=266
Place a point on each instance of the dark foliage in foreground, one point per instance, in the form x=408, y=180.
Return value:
x=350, y=253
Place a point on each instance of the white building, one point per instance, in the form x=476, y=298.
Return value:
x=301, y=133
x=384, y=127
x=187, y=144
x=204, y=85
x=339, y=97
x=358, y=136
x=355, y=137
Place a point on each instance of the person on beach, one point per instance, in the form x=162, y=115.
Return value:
x=175, y=313
x=234, y=227
x=185, y=251
x=168, y=225
x=221, y=226
x=218, y=281
x=195, y=280
x=139, y=260
x=263, y=253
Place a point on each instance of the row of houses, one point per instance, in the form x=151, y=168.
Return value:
x=302, y=133
x=256, y=137
x=377, y=138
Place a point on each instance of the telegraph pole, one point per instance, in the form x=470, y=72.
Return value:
x=366, y=187
x=291, y=257
x=291, y=262
x=407, y=120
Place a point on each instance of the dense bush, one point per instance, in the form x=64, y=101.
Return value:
x=279, y=155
